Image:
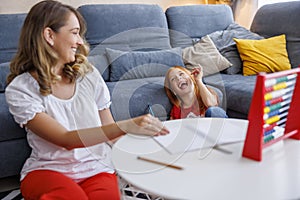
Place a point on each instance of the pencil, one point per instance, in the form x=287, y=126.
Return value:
x=159, y=163
x=150, y=110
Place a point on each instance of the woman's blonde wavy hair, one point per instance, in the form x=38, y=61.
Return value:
x=35, y=54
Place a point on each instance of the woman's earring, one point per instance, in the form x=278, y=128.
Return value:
x=51, y=43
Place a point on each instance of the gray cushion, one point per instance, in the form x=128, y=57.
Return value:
x=142, y=64
x=101, y=63
x=225, y=44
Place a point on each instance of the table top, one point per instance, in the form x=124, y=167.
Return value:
x=209, y=173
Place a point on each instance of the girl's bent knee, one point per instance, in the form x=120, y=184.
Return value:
x=215, y=111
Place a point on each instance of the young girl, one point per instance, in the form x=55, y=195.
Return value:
x=189, y=95
x=63, y=103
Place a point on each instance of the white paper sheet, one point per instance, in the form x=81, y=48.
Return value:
x=192, y=134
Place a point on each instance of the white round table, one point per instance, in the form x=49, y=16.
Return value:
x=209, y=173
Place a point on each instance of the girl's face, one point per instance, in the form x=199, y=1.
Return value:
x=180, y=82
x=67, y=40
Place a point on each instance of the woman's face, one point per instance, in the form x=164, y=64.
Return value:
x=67, y=40
x=180, y=82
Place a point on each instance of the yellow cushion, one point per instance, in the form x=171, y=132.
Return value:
x=265, y=55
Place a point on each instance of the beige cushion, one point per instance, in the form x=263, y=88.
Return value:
x=205, y=53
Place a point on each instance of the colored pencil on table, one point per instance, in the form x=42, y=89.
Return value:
x=160, y=163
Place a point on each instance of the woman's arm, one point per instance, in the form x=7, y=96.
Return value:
x=107, y=118
x=208, y=96
x=49, y=129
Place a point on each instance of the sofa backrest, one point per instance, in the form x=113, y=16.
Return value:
x=187, y=23
x=276, y=19
x=9, y=36
x=11, y=25
x=106, y=21
x=123, y=27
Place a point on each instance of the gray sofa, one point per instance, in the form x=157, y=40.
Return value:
x=133, y=45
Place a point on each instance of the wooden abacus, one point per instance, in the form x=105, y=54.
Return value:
x=274, y=111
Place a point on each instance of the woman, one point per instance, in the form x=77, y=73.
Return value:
x=63, y=103
x=189, y=95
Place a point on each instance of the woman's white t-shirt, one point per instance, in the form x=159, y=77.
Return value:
x=78, y=112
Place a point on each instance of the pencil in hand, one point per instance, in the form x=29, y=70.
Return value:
x=150, y=110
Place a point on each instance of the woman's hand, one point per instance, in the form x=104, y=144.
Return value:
x=143, y=125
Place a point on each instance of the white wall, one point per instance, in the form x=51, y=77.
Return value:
x=245, y=12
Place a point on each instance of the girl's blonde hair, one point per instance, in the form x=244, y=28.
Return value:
x=35, y=54
x=172, y=97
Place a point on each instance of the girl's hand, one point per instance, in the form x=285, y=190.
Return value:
x=197, y=73
x=143, y=125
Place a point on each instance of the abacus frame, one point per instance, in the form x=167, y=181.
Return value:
x=254, y=142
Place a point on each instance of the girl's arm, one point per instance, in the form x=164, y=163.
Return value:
x=208, y=96
x=49, y=129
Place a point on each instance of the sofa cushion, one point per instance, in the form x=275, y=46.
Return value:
x=100, y=62
x=278, y=18
x=205, y=53
x=195, y=21
x=141, y=64
x=13, y=154
x=130, y=98
x=125, y=27
x=11, y=25
x=237, y=90
x=9, y=128
x=266, y=55
x=4, y=71
x=224, y=42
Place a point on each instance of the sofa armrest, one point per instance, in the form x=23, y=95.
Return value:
x=280, y=18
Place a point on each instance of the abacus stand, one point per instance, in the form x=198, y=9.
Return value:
x=254, y=142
